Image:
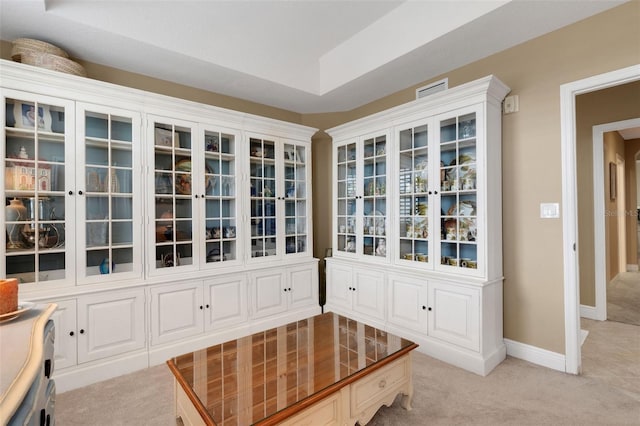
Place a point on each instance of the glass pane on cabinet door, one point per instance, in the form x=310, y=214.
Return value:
x=34, y=187
x=220, y=202
x=295, y=185
x=375, y=197
x=413, y=196
x=346, y=199
x=108, y=145
x=262, y=174
x=173, y=196
x=458, y=192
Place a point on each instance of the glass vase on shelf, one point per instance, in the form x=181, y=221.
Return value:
x=15, y=212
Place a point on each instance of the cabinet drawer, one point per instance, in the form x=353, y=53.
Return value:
x=326, y=412
x=370, y=390
x=185, y=410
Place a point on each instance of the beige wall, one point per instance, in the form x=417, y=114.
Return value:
x=533, y=263
x=600, y=107
x=532, y=171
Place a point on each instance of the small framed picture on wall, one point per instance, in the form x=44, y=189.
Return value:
x=613, y=184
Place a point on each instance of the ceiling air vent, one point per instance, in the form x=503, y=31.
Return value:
x=432, y=88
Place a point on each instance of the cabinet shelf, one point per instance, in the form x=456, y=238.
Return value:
x=457, y=144
x=12, y=132
x=104, y=143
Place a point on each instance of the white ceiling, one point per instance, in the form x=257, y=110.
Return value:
x=630, y=133
x=305, y=56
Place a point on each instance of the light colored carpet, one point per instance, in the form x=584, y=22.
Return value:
x=515, y=393
x=623, y=298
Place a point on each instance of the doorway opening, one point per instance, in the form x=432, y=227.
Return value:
x=568, y=93
x=601, y=195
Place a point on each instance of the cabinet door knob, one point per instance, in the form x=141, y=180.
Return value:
x=79, y=192
x=206, y=306
x=201, y=307
x=430, y=308
x=72, y=334
x=202, y=196
x=70, y=192
x=82, y=331
x=196, y=195
x=424, y=308
x=435, y=192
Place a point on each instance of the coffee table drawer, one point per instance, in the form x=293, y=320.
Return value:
x=326, y=412
x=371, y=390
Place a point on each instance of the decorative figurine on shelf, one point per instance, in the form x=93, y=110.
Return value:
x=168, y=260
x=381, y=250
x=23, y=153
x=350, y=246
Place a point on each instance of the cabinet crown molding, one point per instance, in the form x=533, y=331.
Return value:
x=53, y=83
x=488, y=88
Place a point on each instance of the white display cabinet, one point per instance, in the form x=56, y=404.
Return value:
x=440, y=272
x=111, y=191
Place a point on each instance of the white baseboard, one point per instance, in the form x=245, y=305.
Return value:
x=536, y=355
x=588, y=312
x=76, y=377
x=632, y=268
x=583, y=336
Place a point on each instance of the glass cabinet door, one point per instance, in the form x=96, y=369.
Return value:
x=172, y=203
x=219, y=183
x=346, y=199
x=37, y=151
x=295, y=195
x=458, y=189
x=361, y=198
x=107, y=182
x=414, y=228
x=374, y=190
x=262, y=175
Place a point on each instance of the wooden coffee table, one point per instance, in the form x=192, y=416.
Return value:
x=327, y=369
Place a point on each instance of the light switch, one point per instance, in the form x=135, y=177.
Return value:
x=549, y=210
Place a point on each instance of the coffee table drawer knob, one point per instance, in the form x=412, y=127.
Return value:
x=382, y=383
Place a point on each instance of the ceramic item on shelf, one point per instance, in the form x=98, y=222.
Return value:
x=15, y=212
x=23, y=153
x=168, y=260
x=104, y=266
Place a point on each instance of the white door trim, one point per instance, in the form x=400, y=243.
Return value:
x=568, y=93
x=621, y=204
